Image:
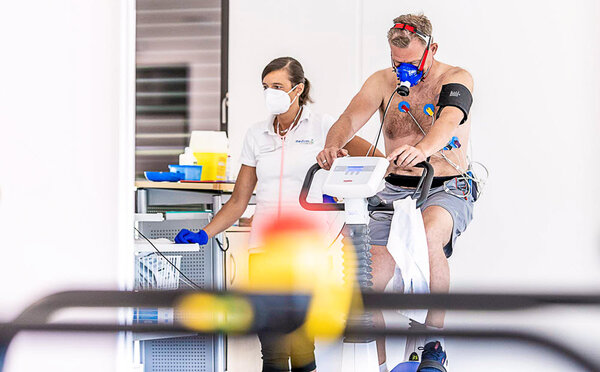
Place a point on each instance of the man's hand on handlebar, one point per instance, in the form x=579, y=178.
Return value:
x=407, y=156
x=326, y=157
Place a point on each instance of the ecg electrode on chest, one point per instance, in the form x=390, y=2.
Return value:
x=456, y=95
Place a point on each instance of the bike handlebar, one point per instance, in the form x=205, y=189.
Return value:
x=425, y=182
x=304, y=193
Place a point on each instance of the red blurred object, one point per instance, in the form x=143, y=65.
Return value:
x=290, y=222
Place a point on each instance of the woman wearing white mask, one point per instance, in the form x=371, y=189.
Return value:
x=276, y=156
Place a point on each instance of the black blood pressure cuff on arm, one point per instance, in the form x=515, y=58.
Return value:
x=456, y=95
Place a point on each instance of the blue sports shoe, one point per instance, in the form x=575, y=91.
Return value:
x=433, y=358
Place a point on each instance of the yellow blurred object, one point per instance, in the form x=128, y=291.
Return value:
x=295, y=259
x=205, y=312
x=429, y=111
x=213, y=165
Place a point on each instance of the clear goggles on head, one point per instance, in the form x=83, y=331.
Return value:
x=426, y=38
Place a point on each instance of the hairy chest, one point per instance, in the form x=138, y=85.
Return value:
x=400, y=124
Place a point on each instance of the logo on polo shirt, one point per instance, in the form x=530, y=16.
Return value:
x=305, y=141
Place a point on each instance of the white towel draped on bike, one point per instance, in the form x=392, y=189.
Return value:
x=407, y=244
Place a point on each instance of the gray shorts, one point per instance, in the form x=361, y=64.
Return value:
x=460, y=209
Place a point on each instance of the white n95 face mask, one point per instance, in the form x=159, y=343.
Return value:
x=278, y=101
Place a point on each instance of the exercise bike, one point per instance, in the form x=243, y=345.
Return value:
x=356, y=180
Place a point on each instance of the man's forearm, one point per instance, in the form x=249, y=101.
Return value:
x=441, y=132
x=340, y=133
x=437, y=138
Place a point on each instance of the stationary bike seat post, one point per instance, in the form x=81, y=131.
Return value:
x=356, y=242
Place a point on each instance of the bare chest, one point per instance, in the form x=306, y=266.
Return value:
x=399, y=124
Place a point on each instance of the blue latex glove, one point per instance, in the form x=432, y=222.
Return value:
x=186, y=236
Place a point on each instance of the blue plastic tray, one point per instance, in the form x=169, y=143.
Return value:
x=164, y=176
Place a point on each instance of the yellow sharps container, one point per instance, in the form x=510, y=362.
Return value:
x=213, y=165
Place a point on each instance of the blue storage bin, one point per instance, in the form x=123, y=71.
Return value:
x=190, y=172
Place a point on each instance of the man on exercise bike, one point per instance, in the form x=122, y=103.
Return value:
x=428, y=103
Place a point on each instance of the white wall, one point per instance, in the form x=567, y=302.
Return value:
x=64, y=224
x=534, y=116
x=66, y=166
x=535, y=124
x=535, y=121
x=319, y=34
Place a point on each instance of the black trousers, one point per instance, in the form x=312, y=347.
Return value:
x=281, y=350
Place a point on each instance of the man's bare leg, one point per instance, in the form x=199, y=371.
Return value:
x=438, y=228
x=383, y=270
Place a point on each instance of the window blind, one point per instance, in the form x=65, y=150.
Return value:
x=178, y=77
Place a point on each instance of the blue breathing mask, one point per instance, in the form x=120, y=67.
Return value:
x=408, y=75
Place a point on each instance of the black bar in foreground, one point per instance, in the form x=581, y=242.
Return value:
x=580, y=359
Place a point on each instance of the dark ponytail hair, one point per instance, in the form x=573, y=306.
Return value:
x=295, y=74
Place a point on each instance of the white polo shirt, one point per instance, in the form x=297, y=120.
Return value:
x=263, y=149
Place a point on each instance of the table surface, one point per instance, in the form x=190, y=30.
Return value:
x=208, y=186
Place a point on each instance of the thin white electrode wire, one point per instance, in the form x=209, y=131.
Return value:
x=464, y=176
x=463, y=173
x=480, y=180
x=458, y=168
x=416, y=122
